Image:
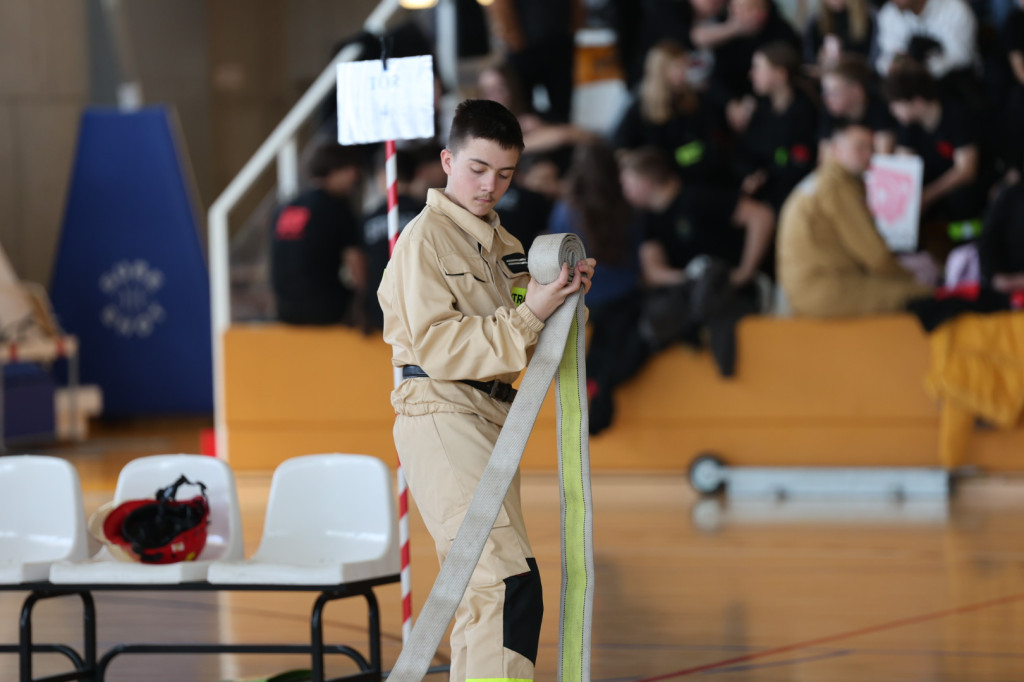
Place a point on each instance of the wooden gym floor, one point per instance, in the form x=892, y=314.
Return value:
x=686, y=588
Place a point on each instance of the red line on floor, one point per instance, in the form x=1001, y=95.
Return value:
x=830, y=639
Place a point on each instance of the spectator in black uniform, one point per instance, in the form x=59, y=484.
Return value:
x=760, y=24
x=710, y=27
x=501, y=84
x=595, y=209
x=670, y=114
x=942, y=134
x=701, y=251
x=839, y=27
x=540, y=38
x=312, y=237
x=1001, y=245
x=849, y=95
x=681, y=222
x=778, y=129
x=1013, y=110
x=375, y=229
x=655, y=21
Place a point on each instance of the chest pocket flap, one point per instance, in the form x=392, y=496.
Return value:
x=514, y=265
x=458, y=265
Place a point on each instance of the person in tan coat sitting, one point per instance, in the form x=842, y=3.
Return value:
x=832, y=261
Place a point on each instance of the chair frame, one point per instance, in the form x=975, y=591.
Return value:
x=88, y=667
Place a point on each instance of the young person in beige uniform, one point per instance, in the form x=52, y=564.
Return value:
x=462, y=315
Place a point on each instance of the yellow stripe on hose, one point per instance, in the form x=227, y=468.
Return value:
x=574, y=568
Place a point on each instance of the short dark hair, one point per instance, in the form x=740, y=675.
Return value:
x=782, y=55
x=843, y=125
x=651, y=163
x=908, y=82
x=852, y=68
x=332, y=156
x=488, y=120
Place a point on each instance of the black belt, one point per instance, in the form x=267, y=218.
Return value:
x=498, y=390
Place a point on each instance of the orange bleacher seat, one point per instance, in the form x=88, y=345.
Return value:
x=806, y=392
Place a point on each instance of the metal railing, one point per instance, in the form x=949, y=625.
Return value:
x=281, y=146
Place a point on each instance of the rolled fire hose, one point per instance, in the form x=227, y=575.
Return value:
x=560, y=347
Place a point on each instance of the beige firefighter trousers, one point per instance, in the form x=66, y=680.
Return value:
x=497, y=624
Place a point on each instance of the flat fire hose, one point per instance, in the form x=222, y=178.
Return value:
x=561, y=348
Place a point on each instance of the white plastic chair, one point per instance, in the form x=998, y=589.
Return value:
x=42, y=520
x=330, y=520
x=141, y=478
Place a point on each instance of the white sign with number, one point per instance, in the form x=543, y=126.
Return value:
x=894, y=196
x=375, y=104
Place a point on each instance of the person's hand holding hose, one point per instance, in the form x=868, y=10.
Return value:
x=544, y=299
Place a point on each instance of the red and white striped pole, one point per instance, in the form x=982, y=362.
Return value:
x=391, y=177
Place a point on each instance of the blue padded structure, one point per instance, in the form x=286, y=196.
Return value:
x=131, y=278
x=28, y=401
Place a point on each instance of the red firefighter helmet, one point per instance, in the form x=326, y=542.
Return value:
x=156, y=531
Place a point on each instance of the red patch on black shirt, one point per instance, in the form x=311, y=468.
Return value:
x=801, y=153
x=945, y=149
x=291, y=224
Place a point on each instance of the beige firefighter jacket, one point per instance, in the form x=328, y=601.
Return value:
x=453, y=300
x=831, y=259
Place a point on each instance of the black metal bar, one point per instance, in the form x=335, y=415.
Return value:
x=64, y=649
x=374, y=630
x=83, y=668
x=63, y=677
x=25, y=637
x=316, y=638
x=147, y=648
x=87, y=667
x=88, y=630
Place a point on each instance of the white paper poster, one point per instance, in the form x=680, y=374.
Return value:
x=894, y=196
x=375, y=104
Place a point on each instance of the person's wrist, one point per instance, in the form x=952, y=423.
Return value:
x=534, y=321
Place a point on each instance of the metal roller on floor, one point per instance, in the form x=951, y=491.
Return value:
x=709, y=474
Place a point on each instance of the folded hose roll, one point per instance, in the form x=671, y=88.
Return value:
x=560, y=348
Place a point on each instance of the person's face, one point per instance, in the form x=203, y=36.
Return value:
x=710, y=8
x=839, y=94
x=749, y=11
x=492, y=86
x=905, y=111
x=479, y=173
x=637, y=189
x=677, y=72
x=341, y=181
x=852, y=149
x=763, y=76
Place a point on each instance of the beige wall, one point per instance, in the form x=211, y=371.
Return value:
x=43, y=86
x=313, y=28
x=229, y=68
x=170, y=43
